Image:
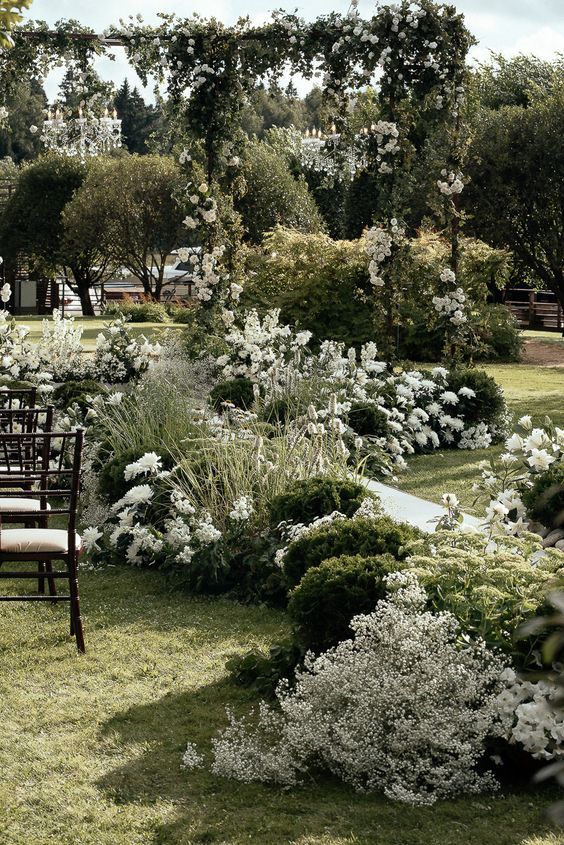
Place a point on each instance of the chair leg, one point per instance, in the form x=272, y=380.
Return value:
x=75, y=620
x=51, y=581
x=41, y=577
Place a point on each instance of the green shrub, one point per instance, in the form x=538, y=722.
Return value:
x=491, y=593
x=73, y=392
x=498, y=334
x=488, y=406
x=274, y=196
x=318, y=283
x=306, y=500
x=545, y=499
x=239, y=391
x=368, y=420
x=262, y=672
x=138, y=312
x=180, y=314
x=493, y=331
x=364, y=537
x=112, y=484
x=329, y=595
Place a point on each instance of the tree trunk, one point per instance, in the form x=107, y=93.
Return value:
x=85, y=301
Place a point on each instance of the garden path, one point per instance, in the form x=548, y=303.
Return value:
x=404, y=507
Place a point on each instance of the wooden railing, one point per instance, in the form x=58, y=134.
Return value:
x=535, y=309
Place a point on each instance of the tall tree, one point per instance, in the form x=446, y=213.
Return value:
x=32, y=223
x=139, y=215
x=516, y=192
x=138, y=120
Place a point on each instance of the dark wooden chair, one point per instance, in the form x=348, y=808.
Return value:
x=30, y=509
x=22, y=397
x=51, y=462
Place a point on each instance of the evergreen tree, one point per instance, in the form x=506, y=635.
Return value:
x=138, y=120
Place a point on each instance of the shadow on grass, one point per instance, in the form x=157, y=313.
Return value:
x=209, y=809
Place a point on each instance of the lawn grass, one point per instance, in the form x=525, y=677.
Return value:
x=92, y=326
x=544, y=337
x=90, y=745
x=538, y=391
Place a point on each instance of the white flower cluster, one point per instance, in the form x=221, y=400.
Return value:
x=261, y=349
x=120, y=356
x=58, y=355
x=387, y=140
x=206, y=274
x=451, y=183
x=242, y=509
x=529, y=452
x=60, y=349
x=204, y=206
x=400, y=709
x=379, y=242
x=417, y=411
x=148, y=464
x=452, y=304
x=529, y=716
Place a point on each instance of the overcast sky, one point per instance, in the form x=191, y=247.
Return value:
x=504, y=26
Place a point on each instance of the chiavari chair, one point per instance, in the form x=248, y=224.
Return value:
x=51, y=463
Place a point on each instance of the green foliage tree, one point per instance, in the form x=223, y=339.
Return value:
x=10, y=15
x=32, y=222
x=136, y=199
x=516, y=193
x=138, y=120
x=272, y=106
x=516, y=81
x=25, y=105
x=273, y=195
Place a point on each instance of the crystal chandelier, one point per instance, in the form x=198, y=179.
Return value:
x=82, y=136
x=325, y=154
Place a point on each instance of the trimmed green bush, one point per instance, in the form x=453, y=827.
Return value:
x=488, y=406
x=364, y=537
x=329, y=595
x=72, y=392
x=239, y=391
x=138, y=312
x=545, y=499
x=306, y=500
x=180, y=313
x=112, y=483
x=367, y=420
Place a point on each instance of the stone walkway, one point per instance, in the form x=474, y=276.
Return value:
x=403, y=507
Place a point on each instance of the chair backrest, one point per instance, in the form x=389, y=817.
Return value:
x=19, y=397
x=26, y=420
x=47, y=464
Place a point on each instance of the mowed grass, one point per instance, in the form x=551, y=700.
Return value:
x=92, y=326
x=538, y=391
x=91, y=745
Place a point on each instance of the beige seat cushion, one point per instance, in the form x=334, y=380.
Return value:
x=27, y=540
x=8, y=503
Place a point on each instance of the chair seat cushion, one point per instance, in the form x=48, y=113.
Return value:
x=12, y=503
x=28, y=540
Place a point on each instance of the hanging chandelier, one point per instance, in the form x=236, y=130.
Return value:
x=325, y=154
x=83, y=136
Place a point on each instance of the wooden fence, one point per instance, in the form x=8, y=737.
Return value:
x=535, y=309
